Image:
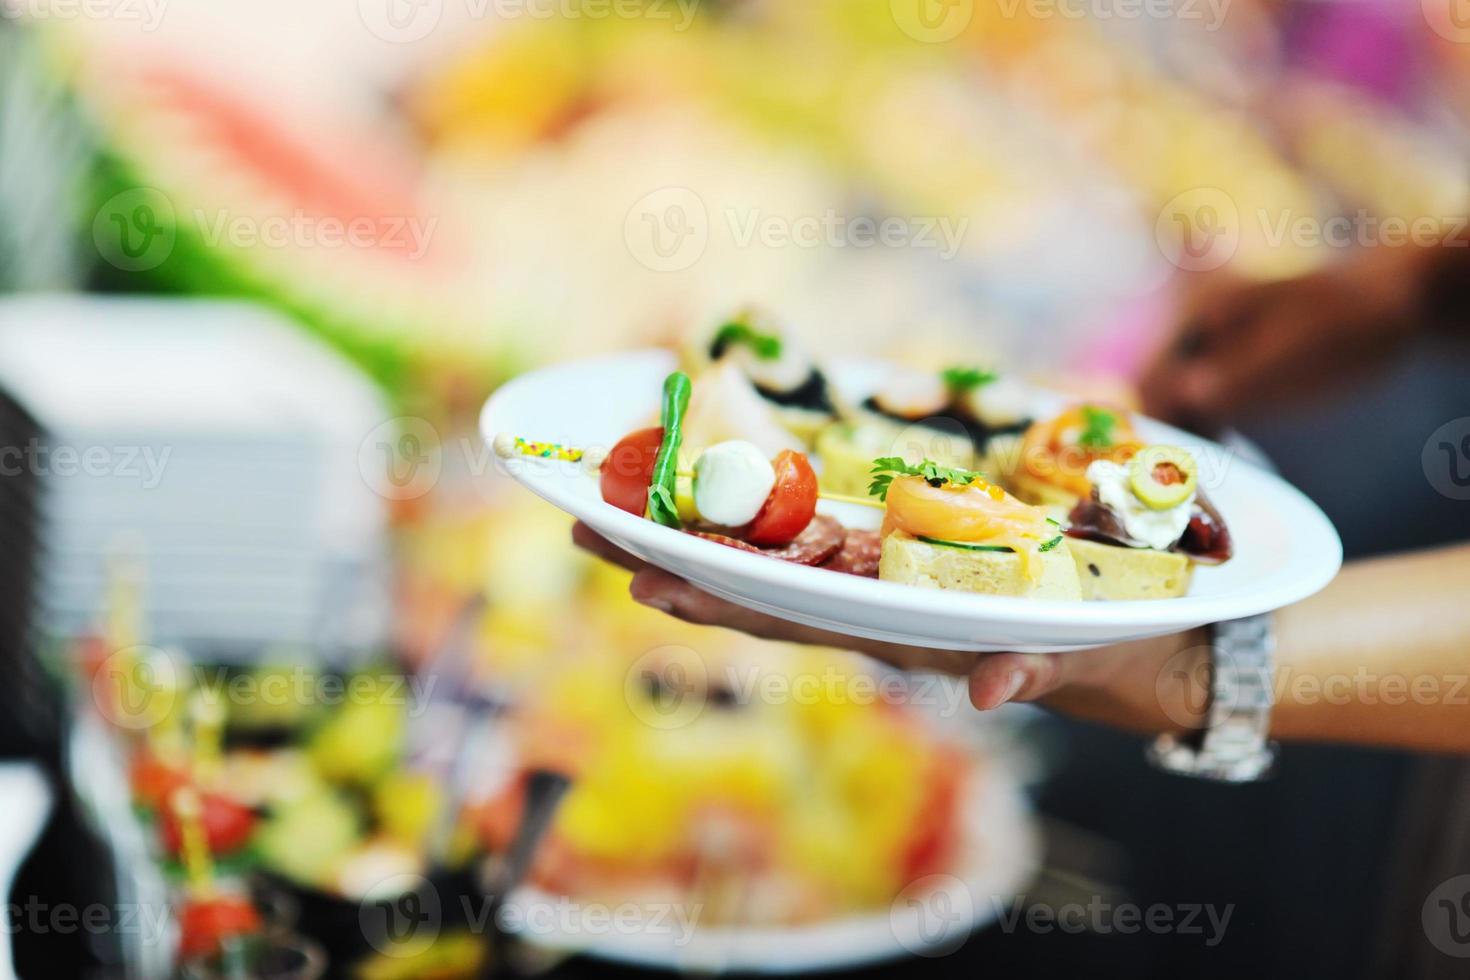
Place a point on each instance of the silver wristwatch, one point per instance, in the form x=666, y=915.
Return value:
x=1234, y=746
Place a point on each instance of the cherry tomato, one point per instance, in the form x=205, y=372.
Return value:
x=204, y=923
x=227, y=825
x=791, y=505
x=628, y=470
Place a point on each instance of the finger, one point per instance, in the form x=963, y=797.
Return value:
x=589, y=540
x=1000, y=678
x=1221, y=320
x=668, y=593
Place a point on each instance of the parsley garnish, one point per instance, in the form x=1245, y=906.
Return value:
x=1051, y=544
x=886, y=468
x=765, y=346
x=1098, y=427
x=962, y=380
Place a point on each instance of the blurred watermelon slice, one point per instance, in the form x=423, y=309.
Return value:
x=210, y=186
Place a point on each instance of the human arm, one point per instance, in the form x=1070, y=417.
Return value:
x=1380, y=657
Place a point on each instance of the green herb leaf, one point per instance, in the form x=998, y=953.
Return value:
x=887, y=467
x=962, y=380
x=661, y=505
x=1049, y=545
x=765, y=346
x=1097, y=432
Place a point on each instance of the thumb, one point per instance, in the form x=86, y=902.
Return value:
x=1001, y=677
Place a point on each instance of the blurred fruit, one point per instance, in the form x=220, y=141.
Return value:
x=361, y=739
x=205, y=922
x=308, y=839
x=407, y=804
x=153, y=780
x=364, y=871
x=228, y=825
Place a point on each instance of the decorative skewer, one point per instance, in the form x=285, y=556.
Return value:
x=194, y=849
x=508, y=446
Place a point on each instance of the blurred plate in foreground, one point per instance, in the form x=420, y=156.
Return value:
x=1000, y=853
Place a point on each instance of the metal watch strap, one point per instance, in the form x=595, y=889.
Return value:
x=1235, y=747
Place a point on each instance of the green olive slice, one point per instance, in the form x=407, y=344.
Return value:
x=1163, y=477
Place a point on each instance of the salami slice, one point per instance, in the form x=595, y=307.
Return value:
x=858, y=555
x=821, y=539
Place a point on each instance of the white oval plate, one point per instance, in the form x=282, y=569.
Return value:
x=1285, y=548
x=999, y=855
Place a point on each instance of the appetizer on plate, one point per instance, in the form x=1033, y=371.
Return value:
x=950, y=529
x=750, y=352
x=1050, y=467
x=1134, y=535
x=951, y=416
x=1143, y=527
x=731, y=493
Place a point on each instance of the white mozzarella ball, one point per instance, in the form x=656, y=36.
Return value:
x=731, y=483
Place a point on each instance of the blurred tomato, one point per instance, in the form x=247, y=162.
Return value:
x=205, y=923
x=227, y=825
